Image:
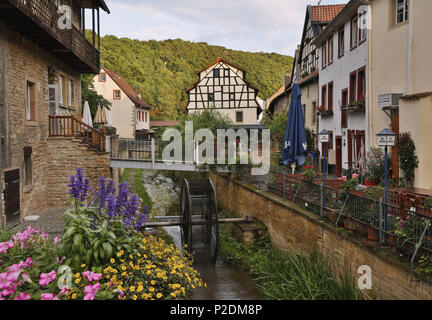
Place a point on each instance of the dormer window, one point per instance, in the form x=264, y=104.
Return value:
x=216, y=73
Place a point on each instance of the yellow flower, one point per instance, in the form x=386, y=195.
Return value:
x=159, y=295
x=83, y=265
x=151, y=289
x=153, y=282
x=132, y=288
x=173, y=294
x=112, y=260
x=77, y=280
x=140, y=288
x=134, y=297
x=74, y=296
x=77, y=275
x=148, y=271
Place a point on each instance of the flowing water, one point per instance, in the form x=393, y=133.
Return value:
x=223, y=282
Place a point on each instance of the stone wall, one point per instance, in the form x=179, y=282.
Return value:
x=64, y=156
x=21, y=60
x=291, y=227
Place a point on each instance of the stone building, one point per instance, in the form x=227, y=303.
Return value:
x=43, y=53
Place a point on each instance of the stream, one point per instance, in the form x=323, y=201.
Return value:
x=223, y=282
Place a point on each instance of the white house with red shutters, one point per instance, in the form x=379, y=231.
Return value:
x=343, y=98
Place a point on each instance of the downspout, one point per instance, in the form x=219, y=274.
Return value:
x=370, y=96
x=410, y=45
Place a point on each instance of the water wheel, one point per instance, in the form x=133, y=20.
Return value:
x=198, y=205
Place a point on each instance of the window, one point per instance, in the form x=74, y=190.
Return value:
x=211, y=97
x=362, y=26
x=330, y=96
x=330, y=51
x=314, y=110
x=304, y=113
x=70, y=93
x=239, y=116
x=324, y=55
x=344, y=115
x=216, y=73
x=354, y=32
x=341, y=42
x=361, y=84
x=31, y=101
x=352, y=86
x=146, y=119
x=116, y=94
x=323, y=95
x=28, y=175
x=61, y=89
x=226, y=72
x=102, y=77
x=232, y=96
x=402, y=8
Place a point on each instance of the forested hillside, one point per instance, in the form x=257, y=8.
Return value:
x=165, y=69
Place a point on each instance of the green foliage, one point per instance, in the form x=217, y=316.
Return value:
x=407, y=157
x=277, y=124
x=347, y=187
x=89, y=94
x=310, y=173
x=134, y=178
x=165, y=69
x=280, y=275
x=428, y=203
x=80, y=243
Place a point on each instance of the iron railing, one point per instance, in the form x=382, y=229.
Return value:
x=137, y=149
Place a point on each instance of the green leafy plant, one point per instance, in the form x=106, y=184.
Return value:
x=407, y=158
x=428, y=203
x=375, y=165
x=310, y=173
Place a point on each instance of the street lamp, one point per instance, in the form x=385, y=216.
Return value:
x=324, y=138
x=386, y=138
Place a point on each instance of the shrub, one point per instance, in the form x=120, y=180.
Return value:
x=375, y=165
x=407, y=157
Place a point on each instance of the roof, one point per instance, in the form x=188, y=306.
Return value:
x=221, y=60
x=164, y=123
x=344, y=15
x=88, y=4
x=326, y=13
x=127, y=89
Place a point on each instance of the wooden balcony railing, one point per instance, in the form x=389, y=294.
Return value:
x=45, y=14
x=69, y=126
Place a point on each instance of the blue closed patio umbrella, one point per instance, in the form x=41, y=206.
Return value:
x=295, y=145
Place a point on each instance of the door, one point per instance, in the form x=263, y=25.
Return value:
x=339, y=156
x=53, y=108
x=12, y=196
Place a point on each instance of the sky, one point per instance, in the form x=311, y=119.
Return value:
x=247, y=25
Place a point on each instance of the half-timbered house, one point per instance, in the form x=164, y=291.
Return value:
x=223, y=87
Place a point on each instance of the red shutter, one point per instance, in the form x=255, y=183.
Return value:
x=146, y=116
x=330, y=96
x=349, y=147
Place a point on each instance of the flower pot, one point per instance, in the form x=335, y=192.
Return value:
x=361, y=229
x=350, y=224
x=368, y=183
x=372, y=234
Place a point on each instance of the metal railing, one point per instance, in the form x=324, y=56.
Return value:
x=391, y=225
x=69, y=126
x=137, y=149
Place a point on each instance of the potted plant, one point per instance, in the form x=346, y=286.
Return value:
x=324, y=112
x=310, y=173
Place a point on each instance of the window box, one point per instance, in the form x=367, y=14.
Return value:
x=305, y=74
x=324, y=113
x=313, y=69
x=355, y=106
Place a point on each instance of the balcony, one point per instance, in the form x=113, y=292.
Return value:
x=38, y=20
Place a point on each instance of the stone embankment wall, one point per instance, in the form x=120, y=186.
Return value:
x=64, y=156
x=291, y=227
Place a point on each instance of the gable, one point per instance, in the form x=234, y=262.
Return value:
x=222, y=86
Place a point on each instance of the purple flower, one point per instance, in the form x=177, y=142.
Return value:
x=5, y=246
x=79, y=187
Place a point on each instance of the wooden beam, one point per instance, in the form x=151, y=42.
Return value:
x=98, y=26
x=93, y=18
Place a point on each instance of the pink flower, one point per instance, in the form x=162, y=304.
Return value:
x=25, y=278
x=47, y=278
x=90, y=291
x=355, y=176
x=5, y=246
x=63, y=291
x=91, y=276
x=344, y=178
x=23, y=296
x=57, y=240
x=120, y=292
x=49, y=296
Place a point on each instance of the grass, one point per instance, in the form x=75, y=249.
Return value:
x=134, y=178
x=281, y=275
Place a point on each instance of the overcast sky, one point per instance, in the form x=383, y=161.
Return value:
x=248, y=25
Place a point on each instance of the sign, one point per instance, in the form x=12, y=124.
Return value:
x=323, y=138
x=386, y=141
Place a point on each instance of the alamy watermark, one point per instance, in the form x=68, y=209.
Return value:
x=253, y=148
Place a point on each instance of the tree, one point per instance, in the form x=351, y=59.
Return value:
x=89, y=94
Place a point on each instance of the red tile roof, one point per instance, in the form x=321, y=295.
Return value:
x=127, y=89
x=326, y=13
